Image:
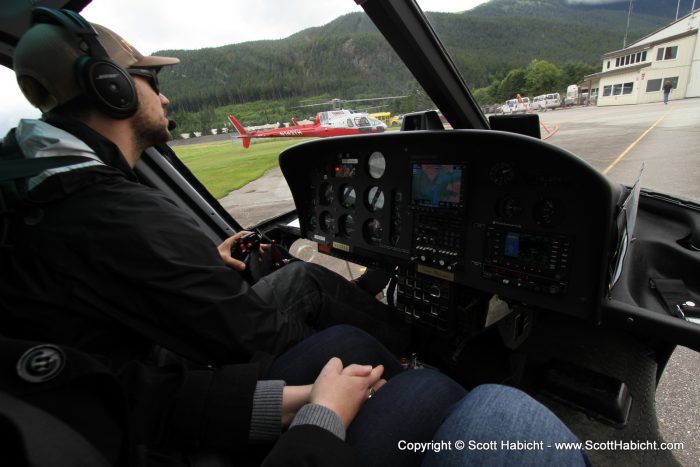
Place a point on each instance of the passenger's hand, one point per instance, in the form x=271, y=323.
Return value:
x=345, y=390
x=293, y=399
x=225, y=250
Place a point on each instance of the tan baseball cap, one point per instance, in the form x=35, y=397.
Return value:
x=47, y=53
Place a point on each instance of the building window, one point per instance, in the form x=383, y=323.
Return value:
x=653, y=85
x=627, y=88
x=608, y=64
x=617, y=61
x=667, y=53
x=627, y=60
x=644, y=56
x=607, y=90
x=617, y=89
x=673, y=80
x=639, y=57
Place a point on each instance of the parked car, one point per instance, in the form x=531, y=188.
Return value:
x=514, y=106
x=546, y=101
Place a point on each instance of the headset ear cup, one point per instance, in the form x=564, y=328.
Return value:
x=108, y=85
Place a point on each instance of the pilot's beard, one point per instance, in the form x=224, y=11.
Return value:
x=148, y=132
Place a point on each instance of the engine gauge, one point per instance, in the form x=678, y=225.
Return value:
x=510, y=207
x=347, y=196
x=326, y=193
x=346, y=224
x=327, y=221
x=373, y=231
x=548, y=212
x=376, y=165
x=375, y=199
x=502, y=174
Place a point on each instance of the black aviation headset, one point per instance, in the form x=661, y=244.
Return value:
x=106, y=84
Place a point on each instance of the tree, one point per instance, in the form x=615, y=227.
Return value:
x=514, y=83
x=573, y=72
x=542, y=77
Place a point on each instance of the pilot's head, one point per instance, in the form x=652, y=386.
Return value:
x=67, y=66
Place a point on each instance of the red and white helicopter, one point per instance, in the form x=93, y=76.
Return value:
x=337, y=122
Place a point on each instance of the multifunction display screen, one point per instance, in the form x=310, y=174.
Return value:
x=437, y=185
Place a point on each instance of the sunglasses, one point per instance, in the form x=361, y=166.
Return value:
x=150, y=75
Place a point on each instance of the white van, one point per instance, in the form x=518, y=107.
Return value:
x=546, y=101
x=514, y=106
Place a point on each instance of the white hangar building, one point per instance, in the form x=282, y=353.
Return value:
x=635, y=74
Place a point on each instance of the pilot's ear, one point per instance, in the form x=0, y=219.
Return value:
x=36, y=94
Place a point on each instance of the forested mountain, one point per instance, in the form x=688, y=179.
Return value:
x=348, y=58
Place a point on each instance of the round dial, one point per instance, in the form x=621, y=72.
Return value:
x=326, y=193
x=373, y=231
x=375, y=199
x=346, y=224
x=347, y=196
x=377, y=164
x=510, y=208
x=327, y=221
x=502, y=174
x=548, y=212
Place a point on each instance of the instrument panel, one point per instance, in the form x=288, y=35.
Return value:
x=464, y=209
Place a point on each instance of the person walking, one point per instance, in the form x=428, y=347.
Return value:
x=667, y=90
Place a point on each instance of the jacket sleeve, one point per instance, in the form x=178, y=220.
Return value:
x=188, y=409
x=310, y=445
x=181, y=293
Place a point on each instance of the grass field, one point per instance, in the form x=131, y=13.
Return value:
x=223, y=166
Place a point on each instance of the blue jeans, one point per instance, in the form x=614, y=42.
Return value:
x=666, y=94
x=422, y=406
x=493, y=414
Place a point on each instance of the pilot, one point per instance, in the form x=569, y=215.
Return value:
x=114, y=268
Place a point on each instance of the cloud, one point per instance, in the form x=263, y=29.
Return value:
x=182, y=24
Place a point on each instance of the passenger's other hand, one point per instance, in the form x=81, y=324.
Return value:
x=344, y=390
x=225, y=250
x=293, y=399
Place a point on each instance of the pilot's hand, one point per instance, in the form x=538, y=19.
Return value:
x=345, y=390
x=225, y=250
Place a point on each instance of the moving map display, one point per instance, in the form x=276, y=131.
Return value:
x=436, y=185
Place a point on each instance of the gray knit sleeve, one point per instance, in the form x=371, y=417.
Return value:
x=314, y=414
x=266, y=419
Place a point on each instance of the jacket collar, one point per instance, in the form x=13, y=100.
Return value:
x=105, y=149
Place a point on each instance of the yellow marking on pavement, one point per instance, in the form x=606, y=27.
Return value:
x=631, y=146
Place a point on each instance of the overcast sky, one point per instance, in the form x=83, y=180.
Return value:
x=183, y=24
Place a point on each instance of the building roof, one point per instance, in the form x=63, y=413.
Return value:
x=616, y=71
x=648, y=45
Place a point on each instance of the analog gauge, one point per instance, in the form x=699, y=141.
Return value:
x=502, y=174
x=510, y=208
x=346, y=224
x=373, y=231
x=377, y=165
x=313, y=222
x=375, y=199
x=347, y=196
x=327, y=221
x=547, y=212
x=326, y=193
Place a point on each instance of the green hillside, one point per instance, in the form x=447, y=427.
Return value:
x=348, y=58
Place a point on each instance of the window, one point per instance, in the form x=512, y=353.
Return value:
x=608, y=64
x=667, y=53
x=653, y=85
x=627, y=88
x=644, y=56
x=627, y=60
x=607, y=90
x=617, y=89
x=671, y=53
x=639, y=57
x=673, y=80
x=617, y=61
x=350, y=123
